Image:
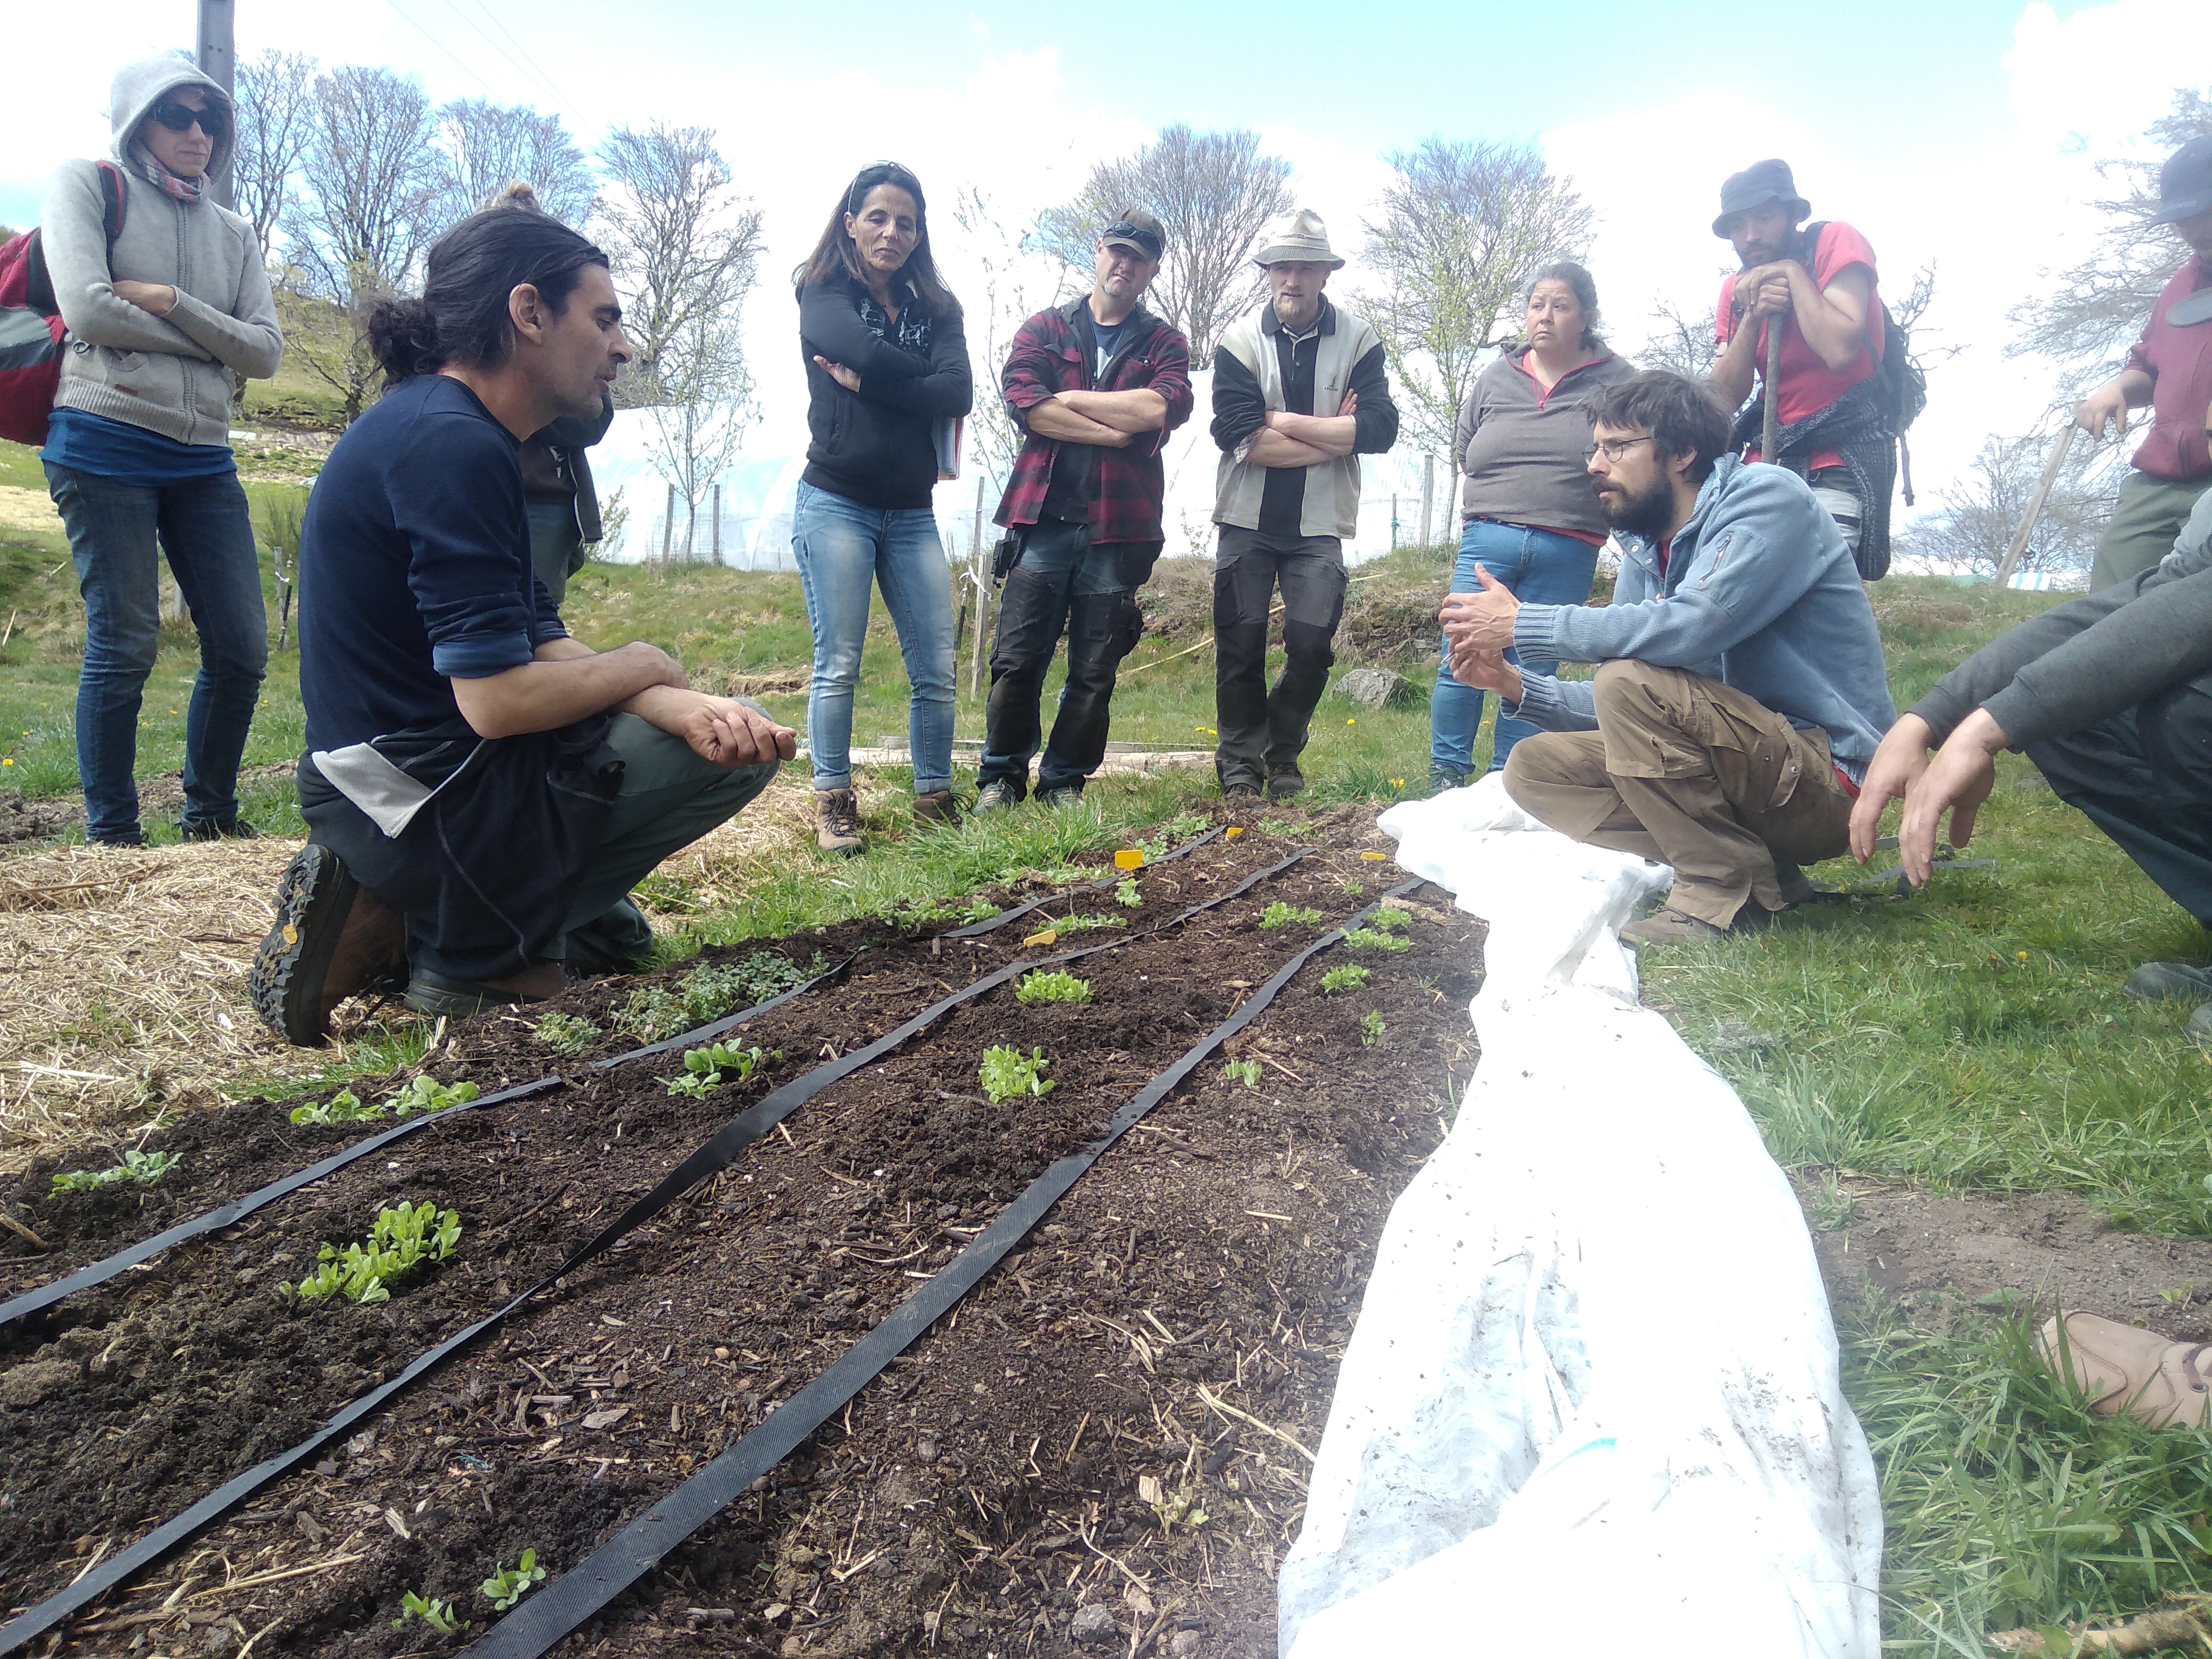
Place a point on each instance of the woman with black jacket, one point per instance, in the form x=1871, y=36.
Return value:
x=886, y=363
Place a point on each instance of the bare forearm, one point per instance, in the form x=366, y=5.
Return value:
x=567, y=681
x=1274, y=448
x=1732, y=369
x=1053, y=419
x=1140, y=410
x=1332, y=434
x=2134, y=387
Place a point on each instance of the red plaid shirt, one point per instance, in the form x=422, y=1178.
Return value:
x=1127, y=485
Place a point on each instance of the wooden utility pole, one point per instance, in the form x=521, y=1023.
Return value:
x=1428, y=494
x=217, y=59
x=718, y=524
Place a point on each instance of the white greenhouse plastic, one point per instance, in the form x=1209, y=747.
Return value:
x=1591, y=1403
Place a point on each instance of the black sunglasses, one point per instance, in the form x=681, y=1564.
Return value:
x=179, y=118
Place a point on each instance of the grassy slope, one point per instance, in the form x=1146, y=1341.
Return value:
x=1973, y=1035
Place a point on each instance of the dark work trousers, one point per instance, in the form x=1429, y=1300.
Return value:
x=1062, y=581
x=2145, y=779
x=1264, y=730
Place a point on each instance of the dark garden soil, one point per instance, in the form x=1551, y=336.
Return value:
x=1097, y=1446
x=1933, y=1254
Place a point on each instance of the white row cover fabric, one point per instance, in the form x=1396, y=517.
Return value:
x=1591, y=1402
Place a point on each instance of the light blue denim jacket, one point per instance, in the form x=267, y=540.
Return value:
x=1760, y=594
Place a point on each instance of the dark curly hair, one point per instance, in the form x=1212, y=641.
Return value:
x=461, y=316
x=1678, y=412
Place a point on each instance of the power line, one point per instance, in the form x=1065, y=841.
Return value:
x=553, y=86
x=510, y=57
x=457, y=62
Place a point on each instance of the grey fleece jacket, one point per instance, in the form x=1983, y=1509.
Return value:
x=169, y=375
x=1521, y=450
x=2093, y=657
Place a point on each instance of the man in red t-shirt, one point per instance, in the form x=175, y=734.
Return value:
x=1832, y=338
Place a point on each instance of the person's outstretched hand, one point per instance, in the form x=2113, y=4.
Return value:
x=1896, y=767
x=1483, y=620
x=1958, y=780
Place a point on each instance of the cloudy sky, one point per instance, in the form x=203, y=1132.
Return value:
x=1961, y=135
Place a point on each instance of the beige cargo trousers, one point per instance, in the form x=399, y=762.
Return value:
x=1694, y=773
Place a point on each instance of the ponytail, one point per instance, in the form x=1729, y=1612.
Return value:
x=402, y=338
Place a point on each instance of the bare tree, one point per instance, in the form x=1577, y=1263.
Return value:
x=1683, y=344
x=2099, y=306
x=1016, y=285
x=1977, y=514
x=684, y=248
x=490, y=146
x=1464, y=226
x=276, y=99
x=700, y=416
x=1213, y=192
x=370, y=181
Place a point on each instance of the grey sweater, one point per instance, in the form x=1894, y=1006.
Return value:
x=169, y=375
x=1523, y=451
x=2093, y=657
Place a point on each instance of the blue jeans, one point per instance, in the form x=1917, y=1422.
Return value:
x=118, y=534
x=1542, y=567
x=841, y=546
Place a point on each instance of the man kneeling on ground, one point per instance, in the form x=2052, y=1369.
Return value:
x=1741, y=690
x=2110, y=695
x=480, y=790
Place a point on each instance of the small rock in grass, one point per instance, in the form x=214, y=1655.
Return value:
x=1375, y=687
x=28, y=1384
x=1185, y=1644
x=1094, y=1624
x=1732, y=1036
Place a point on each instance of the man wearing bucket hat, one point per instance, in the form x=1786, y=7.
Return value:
x=1837, y=428
x=1300, y=392
x=2170, y=368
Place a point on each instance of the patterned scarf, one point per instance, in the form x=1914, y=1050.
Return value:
x=910, y=334
x=185, y=189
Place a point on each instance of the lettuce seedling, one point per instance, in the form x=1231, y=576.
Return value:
x=508, y=1585
x=1350, y=977
x=1366, y=939
x=433, y=1611
x=341, y=1108
x=565, y=1034
x=427, y=1094
x=711, y=1067
x=1084, y=924
x=1392, y=920
x=1058, y=985
x=1126, y=893
x=1279, y=914
x=144, y=1167
x=1246, y=1072
x=1371, y=1030
x=1008, y=1071
x=401, y=1240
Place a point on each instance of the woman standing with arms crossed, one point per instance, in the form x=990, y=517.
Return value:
x=886, y=360
x=1532, y=519
x=137, y=452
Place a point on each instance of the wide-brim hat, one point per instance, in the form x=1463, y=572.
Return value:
x=1755, y=186
x=2184, y=183
x=1301, y=236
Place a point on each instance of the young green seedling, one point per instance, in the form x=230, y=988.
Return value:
x=711, y=1067
x=1355, y=890
x=1371, y=1030
x=1084, y=924
x=565, y=1034
x=1246, y=1072
x=1366, y=939
x=1125, y=892
x=1006, y=1073
x=427, y=1094
x=508, y=1585
x=435, y=1611
x=1058, y=985
x=1390, y=920
x=401, y=1240
x=144, y=1167
x=1350, y=977
x=1279, y=914
x=341, y=1108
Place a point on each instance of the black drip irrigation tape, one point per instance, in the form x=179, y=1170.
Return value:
x=562, y=1607
x=713, y=1156
x=228, y=1215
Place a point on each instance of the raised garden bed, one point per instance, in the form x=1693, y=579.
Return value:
x=1043, y=1451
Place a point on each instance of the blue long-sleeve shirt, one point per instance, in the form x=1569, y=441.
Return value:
x=1757, y=591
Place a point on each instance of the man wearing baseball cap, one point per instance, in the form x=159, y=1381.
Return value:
x=1818, y=281
x=2170, y=368
x=1097, y=384
x=1300, y=392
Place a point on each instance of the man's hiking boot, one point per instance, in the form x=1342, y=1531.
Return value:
x=1442, y=778
x=996, y=796
x=1796, y=886
x=1244, y=795
x=332, y=937
x=1668, y=925
x=1064, y=794
x=1285, y=782
x=2130, y=1372
x=937, y=807
x=839, y=832
x=458, y=999
x=208, y=829
x=2156, y=981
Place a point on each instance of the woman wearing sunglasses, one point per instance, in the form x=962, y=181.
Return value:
x=161, y=323
x=886, y=363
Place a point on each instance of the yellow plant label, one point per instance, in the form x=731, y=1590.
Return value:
x=1375, y=858
x=1045, y=938
x=1128, y=859
x=1234, y=831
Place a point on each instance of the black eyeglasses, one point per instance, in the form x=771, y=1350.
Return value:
x=1612, y=448
x=179, y=117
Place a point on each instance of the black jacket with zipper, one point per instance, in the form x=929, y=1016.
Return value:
x=877, y=446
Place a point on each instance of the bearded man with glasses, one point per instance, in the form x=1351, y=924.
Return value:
x=1739, y=692
x=168, y=307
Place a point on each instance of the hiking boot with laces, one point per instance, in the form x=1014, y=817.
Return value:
x=332, y=937
x=1668, y=925
x=937, y=807
x=996, y=797
x=1285, y=782
x=208, y=829
x=2130, y=1372
x=2156, y=981
x=1442, y=778
x=839, y=832
x=1066, y=795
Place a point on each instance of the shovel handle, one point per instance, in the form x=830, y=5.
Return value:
x=2061, y=446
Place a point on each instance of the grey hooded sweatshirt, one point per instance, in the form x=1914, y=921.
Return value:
x=169, y=375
